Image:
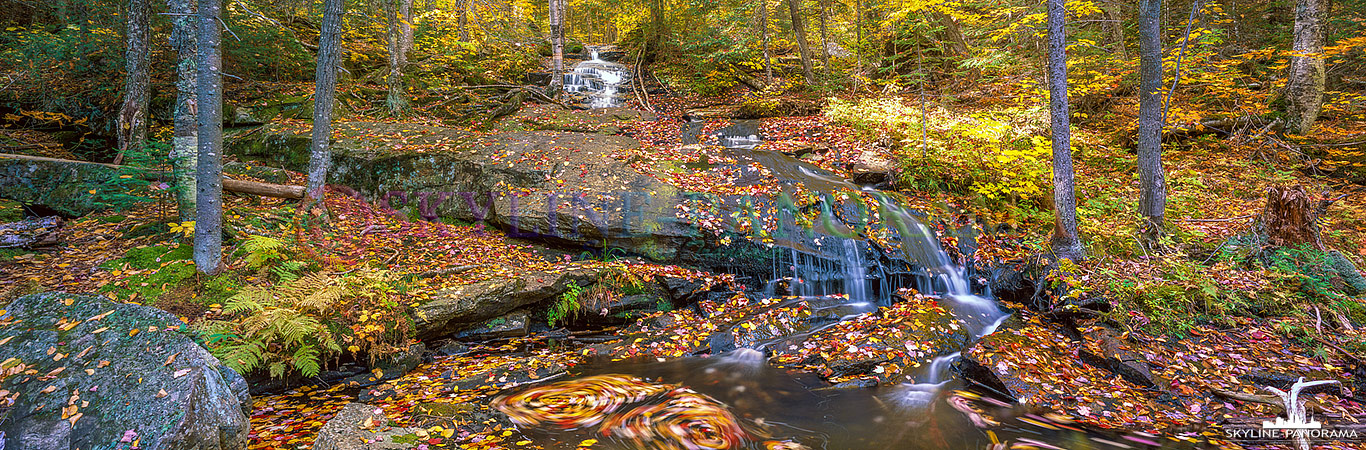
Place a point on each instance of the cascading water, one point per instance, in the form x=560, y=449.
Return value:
x=599, y=83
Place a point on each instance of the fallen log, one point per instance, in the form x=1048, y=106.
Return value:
x=229, y=185
x=30, y=233
x=1224, y=127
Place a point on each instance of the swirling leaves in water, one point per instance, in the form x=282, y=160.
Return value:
x=687, y=420
x=575, y=404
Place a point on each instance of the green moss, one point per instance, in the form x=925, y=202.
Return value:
x=161, y=268
x=11, y=211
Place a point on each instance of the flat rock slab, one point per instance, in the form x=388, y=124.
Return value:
x=85, y=372
x=359, y=426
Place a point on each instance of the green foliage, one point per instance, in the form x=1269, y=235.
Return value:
x=568, y=306
x=296, y=325
x=1172, y=295
x=273, y=256
x=129, y=185
x=1318, y=274
x=999, y=156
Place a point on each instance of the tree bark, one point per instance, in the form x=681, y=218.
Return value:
x=950, y=33
x=763, y=33
x=825, y=36
x=132, y=120
x=1290, y=218
x=208, y=230
x=799, y=28
x=185, y=143
x=1152, y=196
x=397, y=100
x=324, y=95
x=556, y=46
x=1304, y=89
x=1065, y=242
x=31, y=233
x=405, y=20
x=464, y=23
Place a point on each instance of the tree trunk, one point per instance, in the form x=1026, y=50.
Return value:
x=397, y=100
x=825, y=36
x=464, y=24
x=763, y=32
x=132, y=120
x=950, y=33
x=556, y=46
x=1304, y=89
x=208, y=230
x=1290, y=218
x=405, y=20
x=185, y=143
x=1152, y=196
x=799, y=28
x=1065, y=243
x=324, y=95
x=858, y=46
x=1114, y=26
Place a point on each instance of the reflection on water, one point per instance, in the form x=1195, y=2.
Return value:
x=736, y=401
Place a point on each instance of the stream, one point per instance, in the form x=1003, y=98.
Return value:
x=734, y=397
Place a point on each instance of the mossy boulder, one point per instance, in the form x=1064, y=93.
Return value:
x=86, y=372
x=565, y=188
x=64, y=186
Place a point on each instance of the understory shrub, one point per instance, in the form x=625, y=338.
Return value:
x=296, y=326
x=1001, y=156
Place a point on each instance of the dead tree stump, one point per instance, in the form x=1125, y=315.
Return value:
x=1291, y=217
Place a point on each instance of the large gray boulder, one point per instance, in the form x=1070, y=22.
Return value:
x=359, y=426
x=469, y=307
x=567, y=188
x=65, y=186
x=83, y=372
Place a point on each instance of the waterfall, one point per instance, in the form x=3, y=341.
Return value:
x=855, y=274
x=598, y=82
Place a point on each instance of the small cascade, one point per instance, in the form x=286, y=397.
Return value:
x=599, y=83
x=855, y=274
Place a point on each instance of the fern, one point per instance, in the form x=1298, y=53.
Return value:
x=262, y=250
x=298, y=324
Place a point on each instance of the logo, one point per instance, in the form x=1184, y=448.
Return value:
x=1296, y=427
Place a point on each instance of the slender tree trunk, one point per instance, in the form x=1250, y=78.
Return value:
x=858, y=47
x=1114, y=26
x=656, y=26
x=185, y=143
x=324, y=95
x=556, y=45
x=464, y=26
x=1152, y=196
x=397, y=100
x=763, y=32
x=799, y=28
x=405, y=14
x=208, y=231
x=825, y=36
x=132, y=121
x=1304, y=90
x=1065, y=243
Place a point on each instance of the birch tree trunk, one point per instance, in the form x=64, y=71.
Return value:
x=185, y=143
x=556, y=46
x=464, y=23
x=1304, y=89
x=324, y=95
x=405, y=20
x=132, y=120
x=397, y=100
x=799, y=28
x=1152, y=196
x=208, y=230
x=1065, y=243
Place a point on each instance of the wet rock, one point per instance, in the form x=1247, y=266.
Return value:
x=453, y=348
x=361, y=427
x=466, y=307
x=504, y=326
x=893, y=345
x=1118, y=357
x=871, y=168
x=96, y=367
